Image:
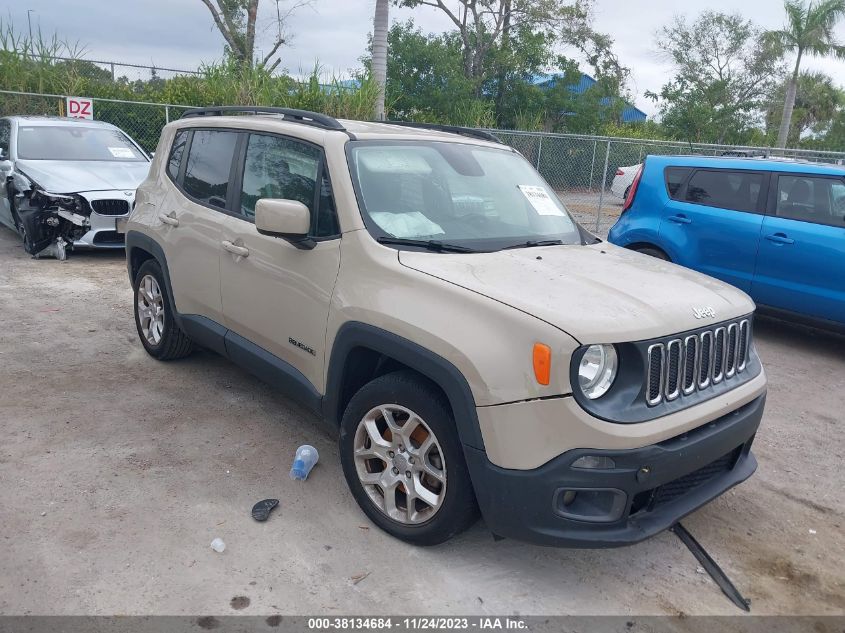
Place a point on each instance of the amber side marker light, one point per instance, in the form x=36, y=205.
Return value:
x=542, y=363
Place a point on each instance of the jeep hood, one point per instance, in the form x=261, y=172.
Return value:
x=59, y=176
x=597, y=294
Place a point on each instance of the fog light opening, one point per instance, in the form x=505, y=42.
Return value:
x=569, y=497
x=597, y=462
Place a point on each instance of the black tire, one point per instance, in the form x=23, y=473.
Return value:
x=627, y=191
x=174, y=342
x=653, y=252
x=458, y=509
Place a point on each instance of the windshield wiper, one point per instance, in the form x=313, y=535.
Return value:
x=431, y=245
x=533, y=243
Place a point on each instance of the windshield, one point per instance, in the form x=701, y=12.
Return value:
x=468, y=195
x=75, y=142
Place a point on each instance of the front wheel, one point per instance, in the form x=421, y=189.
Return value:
x=403, y=460
x=159, y=333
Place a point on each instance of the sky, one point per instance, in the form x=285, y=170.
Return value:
x=181, y=33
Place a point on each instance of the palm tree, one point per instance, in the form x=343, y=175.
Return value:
x=809, y=31
x=380, y=53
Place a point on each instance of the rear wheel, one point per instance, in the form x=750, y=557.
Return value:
x=653, y=252
x=627, y=191
x=160, y=335
x=403, y=460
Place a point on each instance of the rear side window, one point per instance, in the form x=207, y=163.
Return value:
x=737, y=190
x=675, y=178
x=208, y=166
x=175, y=161
x=817, y=200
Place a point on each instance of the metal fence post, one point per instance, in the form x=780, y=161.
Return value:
x=603, y=185
x=539, y=151
x=167, y=114
x=593, y=164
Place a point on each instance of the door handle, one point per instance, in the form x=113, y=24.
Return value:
x=167, y=219
x=780, y=238
x=679, y=219
x=241, y=251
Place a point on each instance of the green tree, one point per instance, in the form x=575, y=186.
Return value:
x=724, y=68
x=809, y=31
x=817, y=104
x=486, y=25
x=425, y=79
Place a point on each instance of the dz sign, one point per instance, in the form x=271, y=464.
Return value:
x=79, y=108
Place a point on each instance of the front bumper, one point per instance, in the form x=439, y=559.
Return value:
x=649, y=490
x=102, y=234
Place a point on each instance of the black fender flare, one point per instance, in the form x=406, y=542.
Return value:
x=139, y=241
x=439, y=370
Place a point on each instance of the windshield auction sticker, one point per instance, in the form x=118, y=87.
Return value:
x=121, y=152
x=541, y=200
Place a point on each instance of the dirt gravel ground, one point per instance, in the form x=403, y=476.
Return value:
x=117, y=471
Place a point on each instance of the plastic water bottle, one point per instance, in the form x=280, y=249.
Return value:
x=218, y=545
x=306, y=457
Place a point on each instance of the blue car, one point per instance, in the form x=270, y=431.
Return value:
x=773, y=228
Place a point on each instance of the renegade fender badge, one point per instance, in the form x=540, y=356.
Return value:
x=301, y=346
x=704, y=313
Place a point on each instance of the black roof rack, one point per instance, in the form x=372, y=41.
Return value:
x=454, y=129
x=305, y=117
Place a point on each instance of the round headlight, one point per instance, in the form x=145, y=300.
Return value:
x=597, y=370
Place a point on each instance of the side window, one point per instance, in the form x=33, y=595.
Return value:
x=5, y=136
x=737, y=190
x=175, y=160
x=208, y=165
x=675, y=178
x=818, y=200
x=276, y=167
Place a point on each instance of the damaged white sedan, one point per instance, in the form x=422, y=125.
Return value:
x=67, y=182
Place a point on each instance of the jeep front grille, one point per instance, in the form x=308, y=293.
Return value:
x=680, y=367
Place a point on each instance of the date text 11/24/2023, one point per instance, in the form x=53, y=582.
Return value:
x=429, y=623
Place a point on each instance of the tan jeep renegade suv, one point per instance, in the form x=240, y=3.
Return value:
x=425, y=292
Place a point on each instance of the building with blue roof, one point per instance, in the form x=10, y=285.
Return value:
x=630, y=113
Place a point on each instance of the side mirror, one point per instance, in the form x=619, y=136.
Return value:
x=288, y=219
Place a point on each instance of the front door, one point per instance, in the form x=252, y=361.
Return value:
x=801, y=262
x=713, y=223
x=276, y=295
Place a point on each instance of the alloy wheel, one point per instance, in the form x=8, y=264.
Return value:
x=400, y=464
x=151, y=309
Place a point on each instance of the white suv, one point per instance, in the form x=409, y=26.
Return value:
x=426, y=293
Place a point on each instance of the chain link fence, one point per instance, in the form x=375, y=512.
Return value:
x=110, y=71
x=582, y=169
x=139, y=119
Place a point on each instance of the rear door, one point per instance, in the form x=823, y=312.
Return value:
x=712, y=223
x=200, y=164
x=801, y=262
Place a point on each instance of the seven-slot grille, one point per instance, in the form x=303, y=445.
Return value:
x=683, y=366
x=110, y=207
